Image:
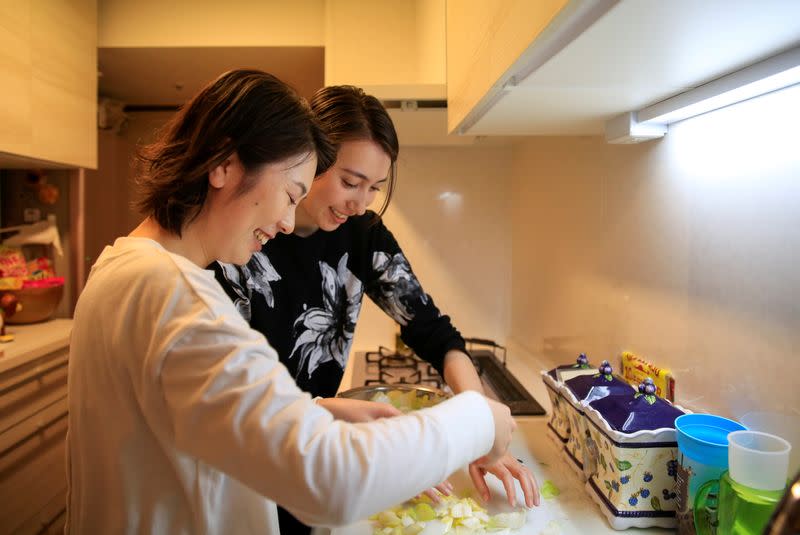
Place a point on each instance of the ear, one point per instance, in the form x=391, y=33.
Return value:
x=223, y=173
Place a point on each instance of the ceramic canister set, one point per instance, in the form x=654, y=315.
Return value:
x=649, y=463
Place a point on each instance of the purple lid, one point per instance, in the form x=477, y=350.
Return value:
x=599, y=385
x=581, y=362
x=637, y=411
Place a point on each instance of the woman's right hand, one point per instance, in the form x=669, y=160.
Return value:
x=357, y=410
x=504, y=427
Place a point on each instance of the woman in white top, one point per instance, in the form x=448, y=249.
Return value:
x=182, y=419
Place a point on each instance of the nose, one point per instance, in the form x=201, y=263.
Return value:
x=286, y=224
x=359, y=204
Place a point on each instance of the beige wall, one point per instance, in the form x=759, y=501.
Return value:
x=684, y=250
x=450, y=216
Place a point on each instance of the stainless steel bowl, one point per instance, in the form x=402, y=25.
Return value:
x=368, y=392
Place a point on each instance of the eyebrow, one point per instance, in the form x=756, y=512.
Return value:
x=303, y=189
x=362, y=176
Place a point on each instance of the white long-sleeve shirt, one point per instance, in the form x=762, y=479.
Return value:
x=182, y=420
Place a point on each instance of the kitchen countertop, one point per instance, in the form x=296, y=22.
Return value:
x=572, y=512
x=33, y=341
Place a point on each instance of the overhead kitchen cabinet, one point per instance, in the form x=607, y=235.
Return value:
x=48, y=83
x=394, y=50
x=565, y=67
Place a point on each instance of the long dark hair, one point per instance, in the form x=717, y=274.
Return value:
x=346, y=113
x=247, y=111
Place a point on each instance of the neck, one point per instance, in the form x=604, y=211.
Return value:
x=189, y=245
x=304, y=224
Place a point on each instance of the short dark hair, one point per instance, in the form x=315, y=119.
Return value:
x=346, y=113
x=249, y=112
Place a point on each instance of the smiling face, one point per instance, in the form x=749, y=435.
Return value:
x=346, y=189
x=237, y=225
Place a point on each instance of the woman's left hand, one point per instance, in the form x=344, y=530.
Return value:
x=357, y=410
x=507, y=469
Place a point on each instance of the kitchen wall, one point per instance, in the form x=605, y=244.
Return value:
x=684, y=250
x=450, y=214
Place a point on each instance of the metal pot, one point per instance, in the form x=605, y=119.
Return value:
x=368, y=393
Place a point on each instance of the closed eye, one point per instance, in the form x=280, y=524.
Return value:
x=349, y=185
x=292, y=201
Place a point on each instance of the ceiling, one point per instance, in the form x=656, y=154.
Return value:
x=638, y=53
x=155, y=77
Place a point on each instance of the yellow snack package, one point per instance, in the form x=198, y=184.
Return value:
x=635, y=370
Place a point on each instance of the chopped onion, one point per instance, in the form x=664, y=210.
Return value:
x=459, y=516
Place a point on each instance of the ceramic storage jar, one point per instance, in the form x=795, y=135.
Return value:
x=579, y=391
x=558, y=427
x=631, y=458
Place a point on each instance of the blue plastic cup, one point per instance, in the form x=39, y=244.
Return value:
x=703, y=456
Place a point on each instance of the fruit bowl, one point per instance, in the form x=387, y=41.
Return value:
x=38, y=300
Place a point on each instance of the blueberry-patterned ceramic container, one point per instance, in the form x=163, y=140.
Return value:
x=631, y=458
x=558, y=425
x=579, y=391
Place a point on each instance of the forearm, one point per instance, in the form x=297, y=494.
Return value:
x=459, y=372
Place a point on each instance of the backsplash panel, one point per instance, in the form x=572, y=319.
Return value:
x=683, y=250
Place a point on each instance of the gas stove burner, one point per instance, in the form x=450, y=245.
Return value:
x=386, y=366
x=406, y=376
x=399, y=361
x=385, y=352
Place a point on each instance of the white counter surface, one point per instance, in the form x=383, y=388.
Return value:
x=33, y=341
x=572, y=512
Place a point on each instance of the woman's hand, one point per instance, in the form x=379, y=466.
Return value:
x=504, y=427
x=357, y=410
x=445, y=488
x=506, y=469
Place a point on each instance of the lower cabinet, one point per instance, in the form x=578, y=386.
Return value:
x=33, y=427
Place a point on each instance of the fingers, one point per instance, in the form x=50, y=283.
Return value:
x=443, y=488
x=476, y=473
x=529, y=488
x=384, y=410
x=433, y=495
x=507, y=470
x=504, y=475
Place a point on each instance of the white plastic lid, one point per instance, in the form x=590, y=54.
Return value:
x=758, y=460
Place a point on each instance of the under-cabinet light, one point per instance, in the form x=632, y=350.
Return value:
x=777, y=72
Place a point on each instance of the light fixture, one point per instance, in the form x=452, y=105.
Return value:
x=777, y=72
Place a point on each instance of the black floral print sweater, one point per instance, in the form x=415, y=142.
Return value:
x=305, y=294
